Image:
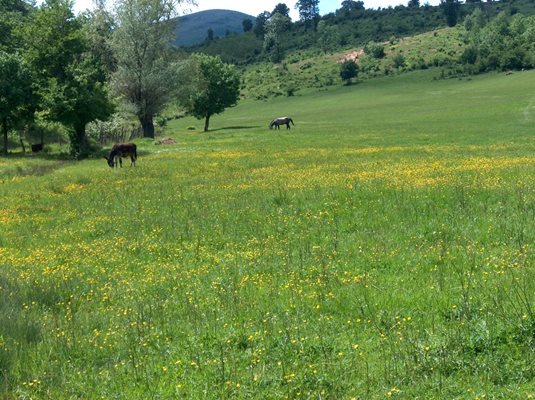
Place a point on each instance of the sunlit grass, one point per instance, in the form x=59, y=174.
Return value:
x=343, y=259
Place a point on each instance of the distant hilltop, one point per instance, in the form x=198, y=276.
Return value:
x=193, y=28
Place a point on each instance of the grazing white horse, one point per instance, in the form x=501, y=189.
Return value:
x=277, y=122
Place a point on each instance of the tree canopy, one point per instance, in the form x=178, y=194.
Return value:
x=274, y=28
x=308, y=10
x=145, y=73
x=15, y=92
x=69, y=80
x=209, y=87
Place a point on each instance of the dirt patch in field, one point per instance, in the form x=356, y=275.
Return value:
x=353, y=56
x=166, y=141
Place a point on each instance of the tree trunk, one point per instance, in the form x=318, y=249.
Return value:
x=4, y=129
x=147, y=125
x=79, y=147
x=206, y=122
x=22, y=144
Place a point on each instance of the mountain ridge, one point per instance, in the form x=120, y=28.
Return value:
x=193, y=28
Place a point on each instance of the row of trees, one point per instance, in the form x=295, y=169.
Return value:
x=274, y=35
x=502, y=43
x=55, y=66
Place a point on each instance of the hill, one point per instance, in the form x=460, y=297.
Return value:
x=192, y=28
x=319, y=70
x=356, y=27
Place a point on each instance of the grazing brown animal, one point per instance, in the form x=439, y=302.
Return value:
x=120, y=151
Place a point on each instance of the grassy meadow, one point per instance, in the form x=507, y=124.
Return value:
x=382, y=248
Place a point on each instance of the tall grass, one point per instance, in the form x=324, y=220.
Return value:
x=381, y=248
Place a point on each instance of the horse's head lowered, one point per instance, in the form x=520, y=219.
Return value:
x=277, y=122
x=120, y=151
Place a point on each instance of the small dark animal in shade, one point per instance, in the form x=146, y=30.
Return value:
x=120, y=151
x=277, y=122
x=36, y=148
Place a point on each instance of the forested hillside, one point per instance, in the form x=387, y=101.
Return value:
x=350, y=26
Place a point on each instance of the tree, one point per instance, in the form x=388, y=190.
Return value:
x=329, y=36
x=475, y=21
x=209, y=35
x=308, y=10
x=16, y=92
x=69, y=80
x=281, y=9
x=100, y=26
x=13, y=14
x=350, y=5
x=261, y=19
x=274, y=27
x=145, y=68
x=247, y=25
x=348, y=70
x=413, y=4
x=209, y=86
x=451, y=11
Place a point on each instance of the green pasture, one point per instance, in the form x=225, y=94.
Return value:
x=381, y=248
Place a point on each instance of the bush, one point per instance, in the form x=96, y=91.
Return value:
x=348, y=70
x=375, y=50
x=399, y=61
x=469, y=55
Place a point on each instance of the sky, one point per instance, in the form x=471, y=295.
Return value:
x=255, y=7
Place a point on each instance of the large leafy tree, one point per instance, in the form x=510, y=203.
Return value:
x=308, y=11
x=282, y=9
x=351, y=5
x=15, y=93
x=145, y=69
x=99, y=26
x=260, y=24
x=69, y=79
x=329, y=36
x=451, y=11
x=275, y=27
x=13, y=14
x=209, y=87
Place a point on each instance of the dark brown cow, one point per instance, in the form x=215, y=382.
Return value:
x=120, y=151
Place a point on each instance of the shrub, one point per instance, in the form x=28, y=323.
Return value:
x=399, y=61
x=375, y=50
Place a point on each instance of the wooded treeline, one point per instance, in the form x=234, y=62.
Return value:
x=100, y=75
x=352, y=25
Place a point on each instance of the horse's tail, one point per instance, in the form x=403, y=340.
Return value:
x=135, y=152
